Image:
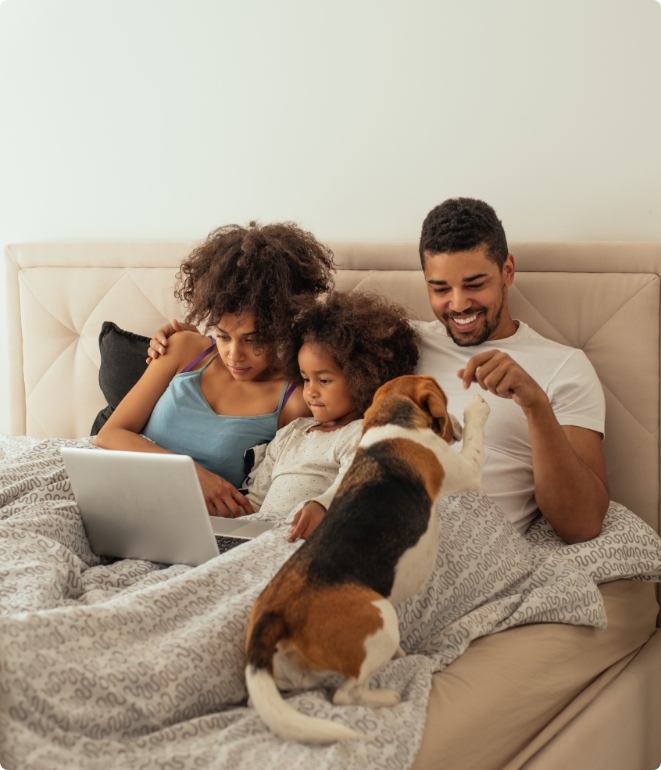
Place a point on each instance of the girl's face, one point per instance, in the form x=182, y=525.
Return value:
x=325, y=389
x=235, y=340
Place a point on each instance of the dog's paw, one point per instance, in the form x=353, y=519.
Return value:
x=380, y=698
x=477, y=408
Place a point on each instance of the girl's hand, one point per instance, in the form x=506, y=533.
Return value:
x=221, y=497
x=306, y=521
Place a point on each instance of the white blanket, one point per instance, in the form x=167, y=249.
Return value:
x=137, y=665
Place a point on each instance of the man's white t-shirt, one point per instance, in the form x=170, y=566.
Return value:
x=566, y=376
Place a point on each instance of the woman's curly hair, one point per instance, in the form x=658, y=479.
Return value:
x=368, y=337
x=273, y=271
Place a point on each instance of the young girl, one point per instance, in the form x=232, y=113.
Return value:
x=213, y=399
x=348, y=346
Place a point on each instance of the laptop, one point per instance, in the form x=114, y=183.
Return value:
x=138, y=505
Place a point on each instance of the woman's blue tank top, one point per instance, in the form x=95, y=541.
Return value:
x=183, y=422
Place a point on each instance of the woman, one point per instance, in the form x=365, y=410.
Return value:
x=214, y=398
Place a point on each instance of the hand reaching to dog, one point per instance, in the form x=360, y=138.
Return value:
x=306, y=521
x=221, y=497
x=158, y=345
x=500, y=374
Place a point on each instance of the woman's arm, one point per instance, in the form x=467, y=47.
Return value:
x=123, y=427
x=122, y=431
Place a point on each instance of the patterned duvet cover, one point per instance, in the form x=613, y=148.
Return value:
x=130, y=664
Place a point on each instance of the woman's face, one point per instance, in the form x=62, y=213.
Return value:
x=235, y=340
x=325, y=388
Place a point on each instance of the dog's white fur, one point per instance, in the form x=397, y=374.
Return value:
x=463, y=473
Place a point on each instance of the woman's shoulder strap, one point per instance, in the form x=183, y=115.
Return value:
x=287, y=390
x=197, y=360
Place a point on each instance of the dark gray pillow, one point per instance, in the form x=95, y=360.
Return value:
x=123, y=361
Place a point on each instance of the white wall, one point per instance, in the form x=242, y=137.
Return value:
x=141, y=119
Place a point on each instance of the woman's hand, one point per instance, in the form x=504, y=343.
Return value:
x=221, y=497
x=306, y=520
x=158, y=345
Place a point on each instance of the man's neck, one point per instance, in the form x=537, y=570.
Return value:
x=507, y=327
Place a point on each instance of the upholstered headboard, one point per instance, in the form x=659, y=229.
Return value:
x=602, y=297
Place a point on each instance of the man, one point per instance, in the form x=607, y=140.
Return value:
x=542, y=450
x=543, y=437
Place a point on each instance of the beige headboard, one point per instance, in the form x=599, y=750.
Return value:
x=602, y=297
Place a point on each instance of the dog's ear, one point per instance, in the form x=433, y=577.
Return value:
x=435, y=402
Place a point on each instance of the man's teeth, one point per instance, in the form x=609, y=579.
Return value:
x=467, y=320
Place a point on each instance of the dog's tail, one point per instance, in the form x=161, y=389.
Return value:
x=280, y=717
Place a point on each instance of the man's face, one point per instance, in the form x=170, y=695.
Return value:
x=467, y=293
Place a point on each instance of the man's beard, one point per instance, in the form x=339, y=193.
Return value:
x=482, y=336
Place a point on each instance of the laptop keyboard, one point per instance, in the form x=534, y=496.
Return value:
x=225, y=543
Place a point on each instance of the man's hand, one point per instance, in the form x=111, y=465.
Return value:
x=571, y=488
x=221, y=497
x=306, y=521
x=158, y=345
x=498, y=373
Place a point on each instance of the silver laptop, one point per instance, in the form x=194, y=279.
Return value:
x=139, y=505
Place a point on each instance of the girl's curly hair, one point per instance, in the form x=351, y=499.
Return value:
x=273, y=271
x=369, y=338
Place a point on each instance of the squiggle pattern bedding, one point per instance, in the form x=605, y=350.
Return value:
x=137, y=665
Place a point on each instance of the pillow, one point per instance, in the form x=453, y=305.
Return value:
x=123, y=361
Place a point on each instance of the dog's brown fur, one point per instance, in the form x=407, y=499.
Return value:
x=310, y=615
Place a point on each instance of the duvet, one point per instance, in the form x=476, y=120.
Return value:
x=138, y=665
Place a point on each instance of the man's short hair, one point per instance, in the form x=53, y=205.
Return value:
x=462, y=224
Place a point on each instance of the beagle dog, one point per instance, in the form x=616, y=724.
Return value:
x=330, y=607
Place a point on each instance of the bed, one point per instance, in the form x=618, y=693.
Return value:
x=602, y=297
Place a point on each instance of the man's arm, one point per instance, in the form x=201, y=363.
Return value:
x=159, y=343
x=569, y=468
